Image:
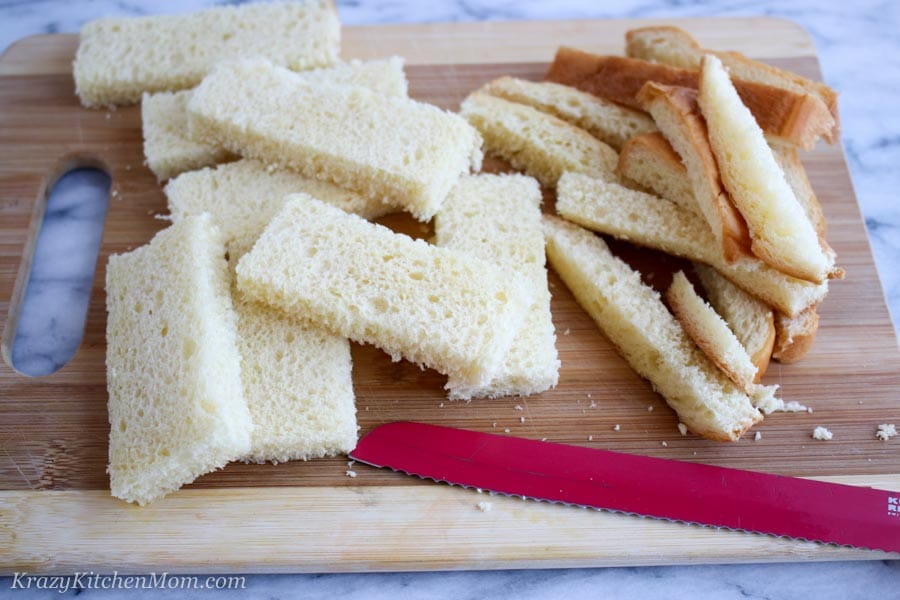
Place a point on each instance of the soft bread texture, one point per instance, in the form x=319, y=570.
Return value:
x=677, y=115
x=298, y=384
x=379, y=146
x=176, y=405
x=676, y=47
x=789, y=117
x=654, y=222
x=169, y=150
x=433, y=306
x=751, y=321
x=794, y=336
x=781, y=233
x=635, y=320
x=650, y=161
x=120, y=59
x=476, y=218
x=296, y=376
x=244, y=195
x=538, y=143
x=711, y=333
x=607, y=121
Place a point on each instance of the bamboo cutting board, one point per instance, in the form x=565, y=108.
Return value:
x=56, y=514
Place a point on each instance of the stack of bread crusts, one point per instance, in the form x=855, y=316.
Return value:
x=228, y=333
x=693, y=153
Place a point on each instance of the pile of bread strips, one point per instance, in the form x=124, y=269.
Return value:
x=227, y=335
x=228, y=332
x=693, y=153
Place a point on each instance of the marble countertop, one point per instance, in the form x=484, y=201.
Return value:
x=858, y=49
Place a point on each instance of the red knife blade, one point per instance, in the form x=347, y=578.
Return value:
x=653, y=487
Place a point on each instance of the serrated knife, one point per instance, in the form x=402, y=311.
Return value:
x=654, y=487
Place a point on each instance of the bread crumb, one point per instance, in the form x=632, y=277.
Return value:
x=350, y=474
x=567, y=331
x=115, y=193
x=521, y=419
x=886, y=431
x=517, y=407
x=616, y=427
x=665, y=444
x=494, y=424
x=506, y=430
x=589, y=395
x=860, y=402
x=821, y=433
x=485, y=506
x=441, y=405
x=590, y=438
x=682, y=429
x=593, y=404
x=650, y=408
x=543, y=439
x=809, y=409
x=757, y=437
x=350, y=464
x=479, y=490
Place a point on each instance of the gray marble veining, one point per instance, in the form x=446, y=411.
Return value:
x=858, y=48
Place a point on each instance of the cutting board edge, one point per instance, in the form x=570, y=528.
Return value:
x=59, y=532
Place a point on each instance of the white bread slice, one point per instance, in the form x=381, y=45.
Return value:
x=176, y=406
x=677, y=115
x=434, y=306
x=244, y=195
x=607, y=121
x=118, y=59
x=378, y=146
x=298, y=384
x=169, y=149
x=673, y=46
x=654, y=222
x=538, y=143
x=296, y=377
x=751, y=321
x=711, y=333
x=782, y=234
x=476, y=218
x=635, y=320
x=792, y=118
x=794, y=336
x=650, y=161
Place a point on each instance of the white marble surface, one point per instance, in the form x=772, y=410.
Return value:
x=858, y=46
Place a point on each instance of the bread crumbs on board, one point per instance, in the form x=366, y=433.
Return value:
x=822, y=434
x=886, y=431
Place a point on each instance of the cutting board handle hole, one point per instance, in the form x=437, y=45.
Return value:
x=53, y=309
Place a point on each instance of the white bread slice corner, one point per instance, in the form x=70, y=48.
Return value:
x=781, y=232
x=176, y=405
x=298, y=383
x=654, y=222
x=650, y=161
x=647, y=336
x=118, y=59
x=607, y=121
x=794, y=336
x=243, y=196
x=475, y=218
x=538, y=143
x=676, y=113
x=433, y=306
x=409, y=152
x=676, y=47
x=711, y=333
x=751, y=321
x=170, y=150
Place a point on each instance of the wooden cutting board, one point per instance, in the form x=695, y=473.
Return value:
x=56, y=514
